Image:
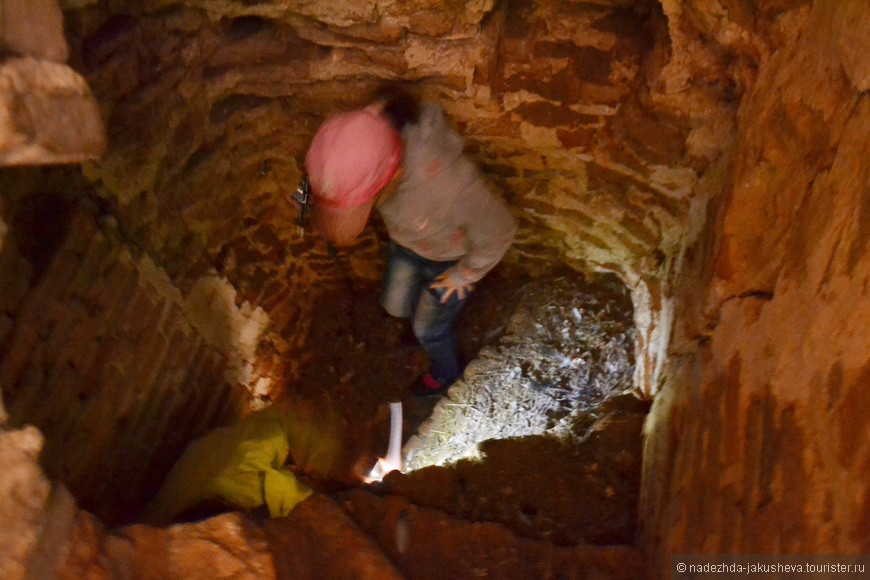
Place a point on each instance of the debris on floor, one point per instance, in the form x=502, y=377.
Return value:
x=550, y=493
x=564, y=352
x=546, y=399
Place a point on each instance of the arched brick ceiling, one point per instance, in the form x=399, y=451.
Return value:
x=596, y=120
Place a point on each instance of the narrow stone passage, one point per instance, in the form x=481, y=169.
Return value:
x=551, y=492
x=541, y=439
x=155, y=288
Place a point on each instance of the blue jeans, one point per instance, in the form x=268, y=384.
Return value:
x=406, y=294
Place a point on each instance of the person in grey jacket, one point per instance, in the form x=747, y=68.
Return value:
x=447, y=228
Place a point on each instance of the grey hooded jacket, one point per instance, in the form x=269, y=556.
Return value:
x=442, y=208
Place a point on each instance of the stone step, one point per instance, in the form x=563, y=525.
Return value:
x=318, y=540
x=427, y=543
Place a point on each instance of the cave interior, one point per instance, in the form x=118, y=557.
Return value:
x=671, y=358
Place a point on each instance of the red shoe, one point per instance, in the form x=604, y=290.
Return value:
x=428, y=386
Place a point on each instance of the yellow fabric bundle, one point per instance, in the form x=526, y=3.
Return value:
x=242, y=465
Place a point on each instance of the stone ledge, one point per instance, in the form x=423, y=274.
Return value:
x=47, y=114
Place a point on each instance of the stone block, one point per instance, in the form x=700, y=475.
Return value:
x=56, y=529
x=83, y=555
x=138, y=552
x=24, y=492
x=47, y=115
x=544, y=114
x=226, y=546
x=335, y=546
x=427, y=543
x=33, y=28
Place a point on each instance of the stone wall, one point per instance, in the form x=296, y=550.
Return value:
x=99, y=351
x=712, y=153
x=563, y=105
x=758, y=441
x=47, y=112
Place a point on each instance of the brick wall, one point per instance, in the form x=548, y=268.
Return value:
x=758, y=441
x=101, y=359
x=560, y=103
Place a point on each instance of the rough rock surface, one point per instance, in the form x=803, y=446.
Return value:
x=425, y=543
x=560, y=103
x=712, y=153
x=317, y=540
x=26, y=493
x=104, y=356
x=565, y=350
x=565, y=492
x=757, y=441
x=47, y=111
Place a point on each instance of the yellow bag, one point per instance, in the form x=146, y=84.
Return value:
x=241, y=465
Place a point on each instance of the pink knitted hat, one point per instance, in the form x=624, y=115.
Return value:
x=352, y=157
